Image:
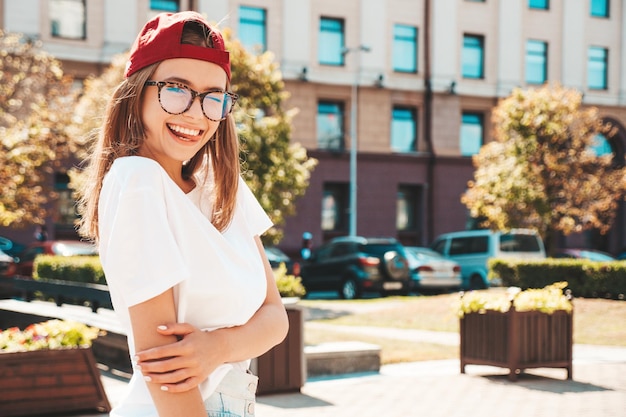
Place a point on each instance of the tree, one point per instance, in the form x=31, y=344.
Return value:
x=35, y=103
x=276, y=170
x=541, y=171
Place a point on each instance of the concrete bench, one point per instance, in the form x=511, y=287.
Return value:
x=342, y=358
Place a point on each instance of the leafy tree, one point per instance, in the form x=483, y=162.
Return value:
x=35, y=103
x=276, y=170
x=541, y=172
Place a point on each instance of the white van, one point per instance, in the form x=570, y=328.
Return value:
x=473, y=248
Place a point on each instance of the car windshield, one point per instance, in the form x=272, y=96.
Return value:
x=378, y=249
x=421, y=253
x=275, y=254
x=71, y=249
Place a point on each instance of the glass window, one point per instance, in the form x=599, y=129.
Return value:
x=597, y=68
x=472, y=59
x=536, y=62
x=252, y=28
x=334, y=207
x=404, y=48
x=331, y=42
x=600, y=145
x=599, y=8
x=407, y=208
x=165, y=5
x=471, y=136
x=403, y=130
x=68, y=19
x=66, y=204
x=330, y=125
x=539, y=4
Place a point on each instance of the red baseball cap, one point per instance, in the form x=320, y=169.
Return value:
x=160, y=39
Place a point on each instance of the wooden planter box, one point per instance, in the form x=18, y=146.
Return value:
x=517, y=340
x=50, y=381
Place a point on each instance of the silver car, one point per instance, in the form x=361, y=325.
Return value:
x=431, y=270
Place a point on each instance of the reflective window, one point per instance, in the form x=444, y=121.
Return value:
x=165, y=5
x=330, y=125
x=331, y=42
x=65, y=202
x=68, y=19
x=599, y=8
x=252, y=28
x=536, y=62
x=471, y=136
x=406, y=208
x=404, y=48
x=539, y=4
x=403, y=130
x=597, y=68
x=334, y=207
x=472, y=58
x=601, y=146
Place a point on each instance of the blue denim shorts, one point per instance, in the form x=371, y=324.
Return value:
x=234, y=396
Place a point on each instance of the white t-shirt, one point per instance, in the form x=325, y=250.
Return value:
x=154, y=237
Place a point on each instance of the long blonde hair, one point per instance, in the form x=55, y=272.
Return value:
x=122, y=134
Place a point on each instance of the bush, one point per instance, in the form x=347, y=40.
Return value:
x=585, y=278
x=69, y=268
x=288, y=285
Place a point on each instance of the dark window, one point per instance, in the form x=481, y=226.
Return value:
x=536, y=62
x=331, y=43
x=403, y=130
x=65, y=202
x=68, y=19
x=253, y=28
x=469, y=245
x=473, y=57
x=599, y=8
x=407, y=208
x=539, y=4
x=335, y=207
x=330, y=125
x=597, y=68
x=405, y=48
x=471, y=136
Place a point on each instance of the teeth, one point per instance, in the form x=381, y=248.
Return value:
x=184, y=130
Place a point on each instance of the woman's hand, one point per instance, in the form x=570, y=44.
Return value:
x=181, y=366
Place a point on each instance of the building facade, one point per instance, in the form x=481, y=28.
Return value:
x=394, y=96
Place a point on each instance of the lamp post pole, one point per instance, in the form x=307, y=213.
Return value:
x=353, y=136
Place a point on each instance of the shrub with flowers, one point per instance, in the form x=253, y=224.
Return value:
x=547, y=300
x=52, y=334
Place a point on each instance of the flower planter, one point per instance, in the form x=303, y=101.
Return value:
x=517, y=340
x=50, y=381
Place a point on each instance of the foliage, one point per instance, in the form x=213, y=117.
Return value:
x=69, y=268
x=276, y=170
x=585, y=278
x=546, y=300
x=52, y=334
x=35, y=107
x=540, y=171
x=288, y=285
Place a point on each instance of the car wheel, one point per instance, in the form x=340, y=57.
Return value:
x=396, y=265
x=477, y=283
x=349, y=290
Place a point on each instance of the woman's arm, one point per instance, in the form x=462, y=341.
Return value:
x=181, y=366
x=145, y=317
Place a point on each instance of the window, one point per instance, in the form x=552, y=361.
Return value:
x=407, y=208
x=597, y=68
x=403, y=130
x=539, y=4
x=471, y=136
x=601, y=146
x=252, y=28
x=165, y=5
x=599, y=8
x=405, y=48
x=536, y=62
x=472, y=59
x=469, y=245
x=66, y=212
x=335, y=207
x=68, y=19
x=330, y=131
x=331, y=42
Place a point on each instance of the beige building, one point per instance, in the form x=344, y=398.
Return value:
x=412, y=82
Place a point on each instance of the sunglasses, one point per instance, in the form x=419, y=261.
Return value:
x=176, y=98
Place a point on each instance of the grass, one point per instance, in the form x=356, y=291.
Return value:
x=596, y=321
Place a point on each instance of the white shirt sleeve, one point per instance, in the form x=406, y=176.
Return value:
x=257, y=220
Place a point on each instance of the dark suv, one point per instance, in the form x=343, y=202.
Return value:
x=353, y=265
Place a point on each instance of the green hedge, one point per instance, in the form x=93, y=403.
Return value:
x=69, y=268
x=585, y=278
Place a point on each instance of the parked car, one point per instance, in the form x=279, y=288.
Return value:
x=471, y=249
x=52, y=247
x=431, y=270
x=276, y=256
x=354, y=265
x=590, y=254
x=7, y=265
x=10, y=246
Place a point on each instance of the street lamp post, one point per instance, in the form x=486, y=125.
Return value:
x=353, y=135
